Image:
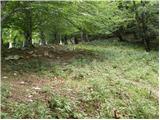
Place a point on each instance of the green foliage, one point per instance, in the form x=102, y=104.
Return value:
x=27, y=110
x=61, y=107
x=12, y=35
x=5, y=92
x=72, y=18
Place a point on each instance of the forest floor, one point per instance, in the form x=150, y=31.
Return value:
x=100, y=79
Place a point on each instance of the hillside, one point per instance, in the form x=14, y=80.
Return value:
x=98, y=79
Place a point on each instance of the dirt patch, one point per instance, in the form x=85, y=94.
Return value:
x=28, y=88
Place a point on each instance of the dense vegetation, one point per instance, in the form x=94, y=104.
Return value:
x=26, y=23
x=79, y=59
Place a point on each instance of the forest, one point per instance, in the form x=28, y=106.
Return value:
x=79, y=59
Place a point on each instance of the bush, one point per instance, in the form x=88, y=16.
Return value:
x=26, y=110
x=62, y=108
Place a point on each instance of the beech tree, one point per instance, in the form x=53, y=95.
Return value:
x=60, y=21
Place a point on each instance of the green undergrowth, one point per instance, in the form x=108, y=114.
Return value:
x=119, y=76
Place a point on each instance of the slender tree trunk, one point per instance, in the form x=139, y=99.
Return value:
x=10, y=45
x=14, y=41
x=65, y=40
x=10, y=36
x=28, y=29
x=72, y=40
x=146, y=42
x=60, y=39
x=57, y=38
x=145, y=37
x=119, y=35
x=42, y=36
x=28, y=39
x=23, y=45
x=82, y=38
x=135, y=35
x=143, y=27
x=1, y=42
x=86, y=37
x=76, y=40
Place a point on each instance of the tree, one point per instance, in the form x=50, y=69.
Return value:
x=59, y=21
x=146, y=13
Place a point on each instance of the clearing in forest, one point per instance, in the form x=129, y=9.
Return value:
x=100, y=79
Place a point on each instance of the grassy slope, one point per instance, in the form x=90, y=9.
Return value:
x=101, y=79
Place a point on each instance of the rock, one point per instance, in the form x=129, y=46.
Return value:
x=50, y=56
x=36, y=88
x=28, y=57
x=39, y=55
x=15, y=74
x=23, y=48
x=55, y=78
x=27, y=90
x=34, y=55
x=46, y=53
x=53, y=47
x=5, y=77
x=13, y=57
x=34, y=92
x=31, y=52
x=30, y=100
x=22, y=82
x=29, y=96
x=35, y=50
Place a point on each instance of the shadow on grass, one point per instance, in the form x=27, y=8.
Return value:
x=61, y=56
x=129, y=44
x=42, y=63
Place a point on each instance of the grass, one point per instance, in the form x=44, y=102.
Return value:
x=101, y=79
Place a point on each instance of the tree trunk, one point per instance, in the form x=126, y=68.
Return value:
x=76, y=40
x=10, y=36
x=135, y=35
x=86, y=37
x=28, y=39
x=72, y=40
x=65, y=40
x=57, y=38
x=142, y=26
x=1, y=41
x=119, y=35
x=14, y=41
x=82, y=38
x=28, y=29
x=146, y=42
x=10, y=45
x=42, y=36
x=60, y=39
x=145, y=37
